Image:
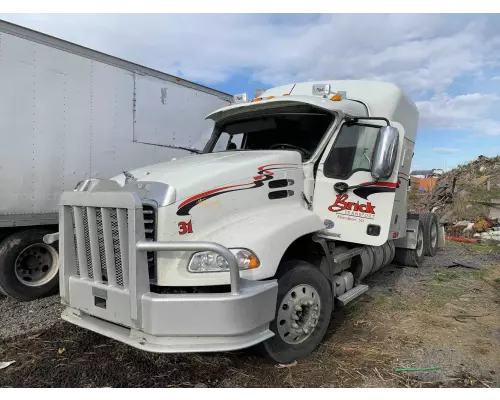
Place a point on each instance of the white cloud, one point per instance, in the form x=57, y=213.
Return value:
x=463, y=112
x=444, y=150
x=421, y=52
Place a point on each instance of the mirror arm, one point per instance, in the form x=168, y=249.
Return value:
x=353, y=120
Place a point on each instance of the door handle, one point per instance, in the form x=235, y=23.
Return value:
x=341, y=187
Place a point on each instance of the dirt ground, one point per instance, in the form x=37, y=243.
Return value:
x=429, y=317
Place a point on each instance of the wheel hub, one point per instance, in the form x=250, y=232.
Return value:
x=298, y=314
x=36, y=265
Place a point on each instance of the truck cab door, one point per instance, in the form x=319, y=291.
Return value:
x=359, y=215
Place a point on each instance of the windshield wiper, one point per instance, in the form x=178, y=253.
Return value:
x=176, y=147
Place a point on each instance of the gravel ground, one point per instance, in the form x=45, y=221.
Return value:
x=20, y=318
x=430, y=316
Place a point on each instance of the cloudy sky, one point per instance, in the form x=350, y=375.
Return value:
x=448, y=64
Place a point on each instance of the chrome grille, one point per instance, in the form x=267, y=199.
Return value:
x=87, y=240
x=102, y=251
x=74, y=240
x=109, y=250
x=116, y=246
x=149, y=213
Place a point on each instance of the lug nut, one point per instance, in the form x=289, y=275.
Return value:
x=310, y=302
x=303, y=302
x=306, y=331
x=295, y=325
x=295, y=317
x=298, y=308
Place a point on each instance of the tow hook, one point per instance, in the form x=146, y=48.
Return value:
x=51, y=238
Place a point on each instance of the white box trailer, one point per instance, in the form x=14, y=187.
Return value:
x=67, y=114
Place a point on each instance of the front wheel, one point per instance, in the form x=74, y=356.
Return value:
x=304, y=308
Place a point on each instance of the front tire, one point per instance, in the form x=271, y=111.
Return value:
x=304, y=309
x=28, y=266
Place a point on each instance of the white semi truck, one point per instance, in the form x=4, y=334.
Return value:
x=298, y=196
x=69, y=113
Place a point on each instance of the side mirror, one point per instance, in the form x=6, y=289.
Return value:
x=386, y=151
x=231, y=146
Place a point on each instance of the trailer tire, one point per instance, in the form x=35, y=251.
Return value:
x=412, y=257
x=24, y=255
x=301, y=283
x=430, y=223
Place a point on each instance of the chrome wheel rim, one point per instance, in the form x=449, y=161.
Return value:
x=36, y=265
x=298, y=314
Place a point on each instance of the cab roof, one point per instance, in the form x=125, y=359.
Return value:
x=359, y=98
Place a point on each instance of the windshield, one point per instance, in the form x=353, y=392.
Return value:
x=300, y=131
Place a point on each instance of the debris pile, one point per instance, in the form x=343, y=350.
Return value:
x=467, y=200
x=441, y=195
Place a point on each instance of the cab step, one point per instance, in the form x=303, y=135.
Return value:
x=349, y=296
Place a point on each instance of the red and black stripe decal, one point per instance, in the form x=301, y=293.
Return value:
x=376, y=187
x=264, y=173
x=379, y=187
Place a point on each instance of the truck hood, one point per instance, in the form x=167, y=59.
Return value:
x=199, y=173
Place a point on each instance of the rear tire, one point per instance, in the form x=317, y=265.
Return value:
x=412, y=257
x=430, y=223
x=28, y=266
x=300, y=284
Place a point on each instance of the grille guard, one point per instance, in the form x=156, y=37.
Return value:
x=127, y=310
x=133, y=244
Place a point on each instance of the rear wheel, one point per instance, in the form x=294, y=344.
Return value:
x=304, y=308
x=430, y=224
x=412, y=257
x=28, y=266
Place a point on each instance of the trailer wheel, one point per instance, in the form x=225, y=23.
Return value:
x=28, y=266
x=412, y=257
x=430, y=223
x=304, y=309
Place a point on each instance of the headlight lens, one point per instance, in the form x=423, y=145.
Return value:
x=209, y=261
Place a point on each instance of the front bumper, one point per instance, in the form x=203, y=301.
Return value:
x=178, y=323
x=105, y=284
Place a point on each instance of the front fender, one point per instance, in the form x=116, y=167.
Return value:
x=267, y=233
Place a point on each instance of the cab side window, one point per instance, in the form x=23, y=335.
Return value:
x=352, y=151
x=225, y=139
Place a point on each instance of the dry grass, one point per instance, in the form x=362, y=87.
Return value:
x=410, y=318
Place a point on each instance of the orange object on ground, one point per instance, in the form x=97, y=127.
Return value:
x=459, y=239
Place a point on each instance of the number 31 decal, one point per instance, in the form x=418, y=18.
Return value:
x=185, y=227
